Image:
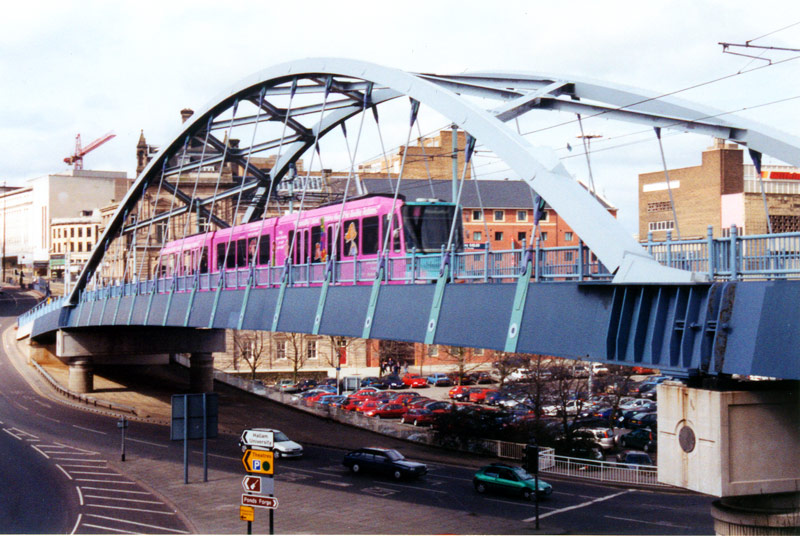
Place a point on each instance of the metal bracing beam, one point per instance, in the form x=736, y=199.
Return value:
x=475, y=89
x=280, y=115
x=520, y=105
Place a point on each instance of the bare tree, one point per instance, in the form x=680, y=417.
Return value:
x=399, y=352
x=508, y=362
x=296, y=357
x=462, y=358
x=253, y=347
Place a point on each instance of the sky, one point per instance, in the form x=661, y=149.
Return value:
x=90, y=67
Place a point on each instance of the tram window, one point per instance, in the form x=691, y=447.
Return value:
x=350, y=238
x=318, y=249
x=395, y=230
x=330, y=240
x=241, y=253
x=221, y=255
x=204, y=260
x=264, y=249
x=188, y=267
x=370, y=235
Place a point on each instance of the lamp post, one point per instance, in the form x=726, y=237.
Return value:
x=4, y=231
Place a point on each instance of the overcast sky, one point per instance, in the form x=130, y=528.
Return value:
x=127, y=66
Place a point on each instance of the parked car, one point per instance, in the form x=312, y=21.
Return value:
x=478, y=395
x=640, y=439
x=391, y=410
x=306, y=385
x=580, y=448
x=509, y=479
x=352, y=404
x=282, y=446
x=329, y=400
x=602, y=436
x=641, y=404
x=418, y=416
x=415, y=380
x=645, y=420
x=393, y=381
x=483, y=378
x=462, y=379
x=383, y=461
x=599, y=369
x=459, y=392
x=439, y=379
x=634, y=457
x=286, y=386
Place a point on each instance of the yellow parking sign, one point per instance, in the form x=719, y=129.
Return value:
x=258, y=461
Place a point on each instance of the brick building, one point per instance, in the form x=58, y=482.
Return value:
x=722, y=191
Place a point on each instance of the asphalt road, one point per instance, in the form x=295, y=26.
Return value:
x=55, y=454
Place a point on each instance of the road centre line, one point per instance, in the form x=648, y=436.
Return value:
x=659, y=523
x=336, y=483
x=132, y=509
x=47, y=417
x=89, y=429
x=581, y=505
x=121, y=499
x=526, y=505
x=137, y=523
x=147, y=442
x=104, y=481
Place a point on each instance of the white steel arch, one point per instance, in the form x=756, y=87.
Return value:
x=517, y=94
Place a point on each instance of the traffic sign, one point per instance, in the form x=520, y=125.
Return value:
x=264, y=439
x=247, y=513
x=252, y=484
x=258, y=461
x=259, y=501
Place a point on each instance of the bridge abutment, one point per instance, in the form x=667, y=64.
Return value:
x=775, y=513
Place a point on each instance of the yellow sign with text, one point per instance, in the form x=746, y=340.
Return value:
x=247, y=513
x=258, y=461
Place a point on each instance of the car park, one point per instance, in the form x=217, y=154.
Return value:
x=459, y=392
x=478, y=395
x=509, y=479
x=641, y=404
x=282, y=446
x=286, y=386
x=383, y=461
x=602, y=436
x=644, y=420
x=329, y=400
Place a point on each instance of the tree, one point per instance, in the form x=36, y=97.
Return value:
x=462, y=358
x=399, y=352
x=508, y=362
x=253, y=347
x=296, y=357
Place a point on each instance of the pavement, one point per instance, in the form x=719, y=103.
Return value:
x=213, y=507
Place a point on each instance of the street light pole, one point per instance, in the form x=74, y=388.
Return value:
x=4, y=231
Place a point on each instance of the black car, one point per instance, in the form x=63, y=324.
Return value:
x=383, y=461
x=306, y=385
x=393, y=381
x=644, y=420
x=640, y=439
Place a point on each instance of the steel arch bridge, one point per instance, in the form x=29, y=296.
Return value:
x=628, y=308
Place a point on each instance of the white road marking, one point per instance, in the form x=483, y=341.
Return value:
x=78, y=522
x=517, y=503
x=63, y=471
x=417, y=488
x=131, y=509
x=659, y=523
x=107, y=529
x=80, y=465
x=336, y=483
x=137, y=524
x=581, y=505
x=12, y=434
x=132, y=492
x=104, y=481
x=121, y=499
x=40, y=451
x=89, y=429
x=146, y=442
x=70, y=459
x=80, y=495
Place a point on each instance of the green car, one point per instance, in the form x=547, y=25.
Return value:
x=510, y=479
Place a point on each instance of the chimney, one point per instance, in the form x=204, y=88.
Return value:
x=186, y=113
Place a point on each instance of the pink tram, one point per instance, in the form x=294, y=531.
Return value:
x=421, y=227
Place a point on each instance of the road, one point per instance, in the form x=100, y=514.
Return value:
x=72, y=458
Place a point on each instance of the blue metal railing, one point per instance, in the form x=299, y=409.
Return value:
x=733, y=257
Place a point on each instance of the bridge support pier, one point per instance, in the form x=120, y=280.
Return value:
x=81, y=375
x=774, y=513
x=201, y=372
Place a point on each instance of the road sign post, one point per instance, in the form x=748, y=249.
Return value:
x=260, y=462
x=122, y=424
x=264, y=439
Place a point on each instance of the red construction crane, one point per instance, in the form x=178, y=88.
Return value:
x=77, y=159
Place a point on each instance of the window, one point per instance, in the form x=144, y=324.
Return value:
x=80, y=247
x=80, y=232
x=477, y=351
x=568, y=236
x=522, y=215
x=72, y=232
x=499, y=215
x=280, y=349
x=661, y=225
x=477, y=236
x=88, y=232
x=477, y=215
x=522, y=236
x=659, y=206
x=543, y=236
x=264, y=250
x=311, y=349
x=568, y=256
x=433, y=350
x=498, y=235
x=369, y=236
x=350, y=238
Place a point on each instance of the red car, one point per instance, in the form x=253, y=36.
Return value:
x=418, y=416
x=387, y=411
x=420, y=402
x=406, y=398
x=459, y=392
x=478, y=396
x=363, y=394
x=415, y=380
x=353, y=404
x=368, y=405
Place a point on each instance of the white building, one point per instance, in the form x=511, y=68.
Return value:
x=26, y=213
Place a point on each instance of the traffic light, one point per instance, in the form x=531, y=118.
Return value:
x=531, y=459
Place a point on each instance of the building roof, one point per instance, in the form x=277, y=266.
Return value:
x=493, y=193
